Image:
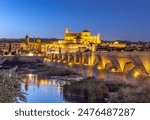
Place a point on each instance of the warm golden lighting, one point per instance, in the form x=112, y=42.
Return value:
x=70, y=63
x=64, y=62
x=136, y=74
x=105, y=62
x=122, y=61
x=30, y=54
x=48, y=60
x=59, y=61
x=146, y=62
x=113, y=70
x=99, y=67
x=43, y=82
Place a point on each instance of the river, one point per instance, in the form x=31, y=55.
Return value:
x=41, y=89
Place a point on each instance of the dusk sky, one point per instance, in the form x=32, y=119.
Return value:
x=114, y=19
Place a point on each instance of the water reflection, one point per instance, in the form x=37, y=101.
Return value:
x=41, y=89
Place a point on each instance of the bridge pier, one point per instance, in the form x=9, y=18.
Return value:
x=119, y=64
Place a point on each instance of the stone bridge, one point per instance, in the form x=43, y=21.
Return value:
x=135, y=63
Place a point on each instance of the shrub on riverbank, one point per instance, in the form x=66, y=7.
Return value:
x=10, y=90
x=89, y=89
x=59, y=71
x=92, y=90
x=133, y=95
x=38, y=67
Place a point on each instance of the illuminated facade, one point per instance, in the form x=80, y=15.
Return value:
x=84, y=37
x=11, y=46
x=72, y=42
x=32, y=45
x=114, y=44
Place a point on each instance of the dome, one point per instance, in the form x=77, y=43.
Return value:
x=26, y=36
x=85, y=30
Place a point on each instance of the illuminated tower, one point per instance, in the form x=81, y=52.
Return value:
x=98, y=38
x=39, y=43
x=38, y=40
x=27, y=40
x=67, y=30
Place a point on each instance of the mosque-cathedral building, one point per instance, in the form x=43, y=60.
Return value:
x=72, y=42
x=84, y=37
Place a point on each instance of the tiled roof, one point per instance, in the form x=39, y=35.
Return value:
x=73, y=34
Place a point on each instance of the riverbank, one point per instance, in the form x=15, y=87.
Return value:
x=11, y=87
x=10, y=90
x=75, y=88
x=93, y=90
x=25, y=67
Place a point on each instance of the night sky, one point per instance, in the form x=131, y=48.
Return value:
x=114, y=19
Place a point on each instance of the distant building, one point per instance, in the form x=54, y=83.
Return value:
x=72, y=42
x=115, y=44
x=11, y=46
x=4, y=46
x=83, y=37
x=32, y=44
x=16, y=46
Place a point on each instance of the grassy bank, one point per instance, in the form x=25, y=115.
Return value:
x=132, y=95
x=37, y=67
x=87, y=89
x=59, y=71
x=93, y=90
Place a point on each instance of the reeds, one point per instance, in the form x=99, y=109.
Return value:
x=92, y=90
x=89, y=89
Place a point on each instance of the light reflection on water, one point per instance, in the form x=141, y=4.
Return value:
x=40, y=89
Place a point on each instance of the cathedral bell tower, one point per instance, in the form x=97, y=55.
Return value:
x=67, y=30
x=98, y=38
x=27, y=40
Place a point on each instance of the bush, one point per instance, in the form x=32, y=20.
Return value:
x=133, y=95
x=10, y=90
x=87, y=89
x=59, y=71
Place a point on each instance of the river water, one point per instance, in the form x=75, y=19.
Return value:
x=41, y=89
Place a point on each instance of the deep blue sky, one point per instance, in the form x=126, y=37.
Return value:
x=114, y=19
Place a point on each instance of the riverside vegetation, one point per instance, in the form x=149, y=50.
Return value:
x=10, y=90
x=93, y=90
x=10, y=84
x=38, y=66
x=86, y=90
